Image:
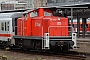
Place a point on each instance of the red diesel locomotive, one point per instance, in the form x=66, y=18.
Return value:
x=41, y=29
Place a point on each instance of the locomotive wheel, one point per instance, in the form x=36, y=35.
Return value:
x=6, y=48
x=56, y=50
x=40, y=51
x=65, y=49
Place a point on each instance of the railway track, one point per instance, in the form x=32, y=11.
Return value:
x=70, y=55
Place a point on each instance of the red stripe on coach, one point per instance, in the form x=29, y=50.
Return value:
x=5, y=35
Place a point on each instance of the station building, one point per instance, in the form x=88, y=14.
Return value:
x=13, y=5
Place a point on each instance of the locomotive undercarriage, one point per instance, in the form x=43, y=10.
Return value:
x=61, y=46
x=28, y=44
x=57, y=45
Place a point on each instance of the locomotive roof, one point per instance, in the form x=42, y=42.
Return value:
x=11, y=15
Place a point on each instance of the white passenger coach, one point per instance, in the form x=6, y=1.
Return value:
x=8, y=22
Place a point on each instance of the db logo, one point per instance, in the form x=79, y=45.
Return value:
x=37, y=24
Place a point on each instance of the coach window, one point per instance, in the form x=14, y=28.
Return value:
x=2, y=26
x=86, y=25
x=7, y=26
x=69, y=27
x=75, y=25
x=81, y=25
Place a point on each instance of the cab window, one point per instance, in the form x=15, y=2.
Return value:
x=33, y=14
x=47, y=14
x=25, y=15
x=81, y=25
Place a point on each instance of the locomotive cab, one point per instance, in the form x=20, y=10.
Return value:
x=43, y=29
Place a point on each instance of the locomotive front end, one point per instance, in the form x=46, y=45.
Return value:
x=58, y=37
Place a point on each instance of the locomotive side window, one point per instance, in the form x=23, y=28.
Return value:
x=33, y=14
x=47, y=14
x=25, y=15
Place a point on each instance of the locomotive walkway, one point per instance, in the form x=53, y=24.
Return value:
x=83, y=45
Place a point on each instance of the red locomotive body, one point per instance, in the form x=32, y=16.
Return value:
x=44, y=31
x=57, y=26
x=52, y=25
x=37, y=24
x=24, y=27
